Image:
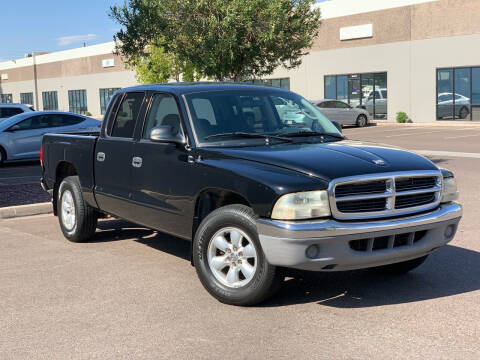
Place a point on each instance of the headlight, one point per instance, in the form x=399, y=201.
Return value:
x=302, y=205
x=449, y=190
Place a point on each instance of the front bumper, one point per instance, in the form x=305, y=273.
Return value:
x=286, y=243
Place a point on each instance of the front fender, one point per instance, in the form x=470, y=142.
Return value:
x=260, y=184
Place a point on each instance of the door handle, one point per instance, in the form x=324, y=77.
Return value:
x=101, y=156
x=137, y=162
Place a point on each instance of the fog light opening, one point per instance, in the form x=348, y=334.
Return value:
x=312, y=251
x=449, y=231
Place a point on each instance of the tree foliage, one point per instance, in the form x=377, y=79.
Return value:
x=157, y=66
x=234, y=39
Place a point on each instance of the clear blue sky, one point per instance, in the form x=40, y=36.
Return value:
x=53, y=25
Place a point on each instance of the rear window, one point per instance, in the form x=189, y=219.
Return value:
x=127, y=115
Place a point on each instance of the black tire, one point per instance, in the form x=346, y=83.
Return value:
x=463, y=113
x=3, y=156
x=266, y=279
x=401, y=267
x=362, y=120
x=86, y=217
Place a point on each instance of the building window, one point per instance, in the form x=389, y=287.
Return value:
x=367, y=91
x=105, y=97
x=26, y=98
x=6, y=98
x=50, y=100
x=283, y=83
x=458, y=93
x=77, y=101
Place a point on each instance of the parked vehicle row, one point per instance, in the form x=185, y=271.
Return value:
x=21, y=135
x=256, y=192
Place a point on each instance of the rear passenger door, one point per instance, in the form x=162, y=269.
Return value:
x=26, y=137
x=113, y=155
x=162, y=176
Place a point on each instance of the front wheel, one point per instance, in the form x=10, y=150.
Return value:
x=229, y=259
x=78, y=220
x=401, y=267
x=362, y=120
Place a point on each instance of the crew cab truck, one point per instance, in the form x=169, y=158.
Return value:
x=217, y=164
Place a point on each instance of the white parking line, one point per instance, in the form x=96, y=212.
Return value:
x=447, y=153
x=462, y=136
x=419, y=133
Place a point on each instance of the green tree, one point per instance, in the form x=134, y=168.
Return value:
x=155, y=66
x=235, y=39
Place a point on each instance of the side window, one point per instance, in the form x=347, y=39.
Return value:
x=341, y=105
x=164, y=111
x=384, y=94
x=69, y=120
x=127, y=115
x=321, y=105
x=329, y=105
x=10, y=111
x=35, y=122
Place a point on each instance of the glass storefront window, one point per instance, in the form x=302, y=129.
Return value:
x=458, y=93
x=330, y=87
x=368, y=91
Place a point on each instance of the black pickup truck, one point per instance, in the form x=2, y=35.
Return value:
x=257, y=178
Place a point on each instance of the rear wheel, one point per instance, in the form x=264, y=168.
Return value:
x=401, y=267
x=463, y=113
x=78, y=220
x=362, y=120
x=229, y=259
x=3, y=156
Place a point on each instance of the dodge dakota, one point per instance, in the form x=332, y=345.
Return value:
x=256, y=191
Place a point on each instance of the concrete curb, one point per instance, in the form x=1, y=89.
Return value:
x=429, y=124
x=25, y=210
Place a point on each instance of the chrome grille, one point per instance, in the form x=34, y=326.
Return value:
x=382, y=195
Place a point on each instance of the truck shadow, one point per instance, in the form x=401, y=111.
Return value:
x=118, y=230
x=451, y=270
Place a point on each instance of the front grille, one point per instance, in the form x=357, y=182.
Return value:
x=387, y=242
x=405, y=201
x=415, y=183
x=385, y=194
x=370, y=187
x=362, y=205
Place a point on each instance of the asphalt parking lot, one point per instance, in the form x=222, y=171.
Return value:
x=133, y=294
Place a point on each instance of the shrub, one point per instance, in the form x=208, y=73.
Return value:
x=402, y=117
x=88, y=113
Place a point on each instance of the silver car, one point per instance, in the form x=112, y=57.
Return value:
x=343, y=113
x=9, y=109
x=21, y=135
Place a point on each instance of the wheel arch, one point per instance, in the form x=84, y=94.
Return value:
x=211, y=199
x=63, y=170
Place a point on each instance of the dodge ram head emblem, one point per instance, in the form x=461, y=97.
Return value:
x=378, y=162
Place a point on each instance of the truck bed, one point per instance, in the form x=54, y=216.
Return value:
x=75, y=148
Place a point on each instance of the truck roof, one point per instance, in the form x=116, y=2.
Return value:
x=189, y=87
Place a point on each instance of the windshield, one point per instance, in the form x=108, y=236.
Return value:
x=262, y=112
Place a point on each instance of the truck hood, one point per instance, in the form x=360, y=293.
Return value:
x=331, y=160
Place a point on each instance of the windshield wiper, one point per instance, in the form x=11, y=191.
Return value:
x=248, y=135
x=313, y=133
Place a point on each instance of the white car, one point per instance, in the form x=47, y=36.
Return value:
x=342, y=113
x=445, y=105
x=9, y=109
x=380, y=102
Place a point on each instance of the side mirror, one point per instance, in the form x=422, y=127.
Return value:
x=164, y=133
x=337, y=125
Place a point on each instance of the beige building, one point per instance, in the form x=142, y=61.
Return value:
x=77, y=80
x=417, y=56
